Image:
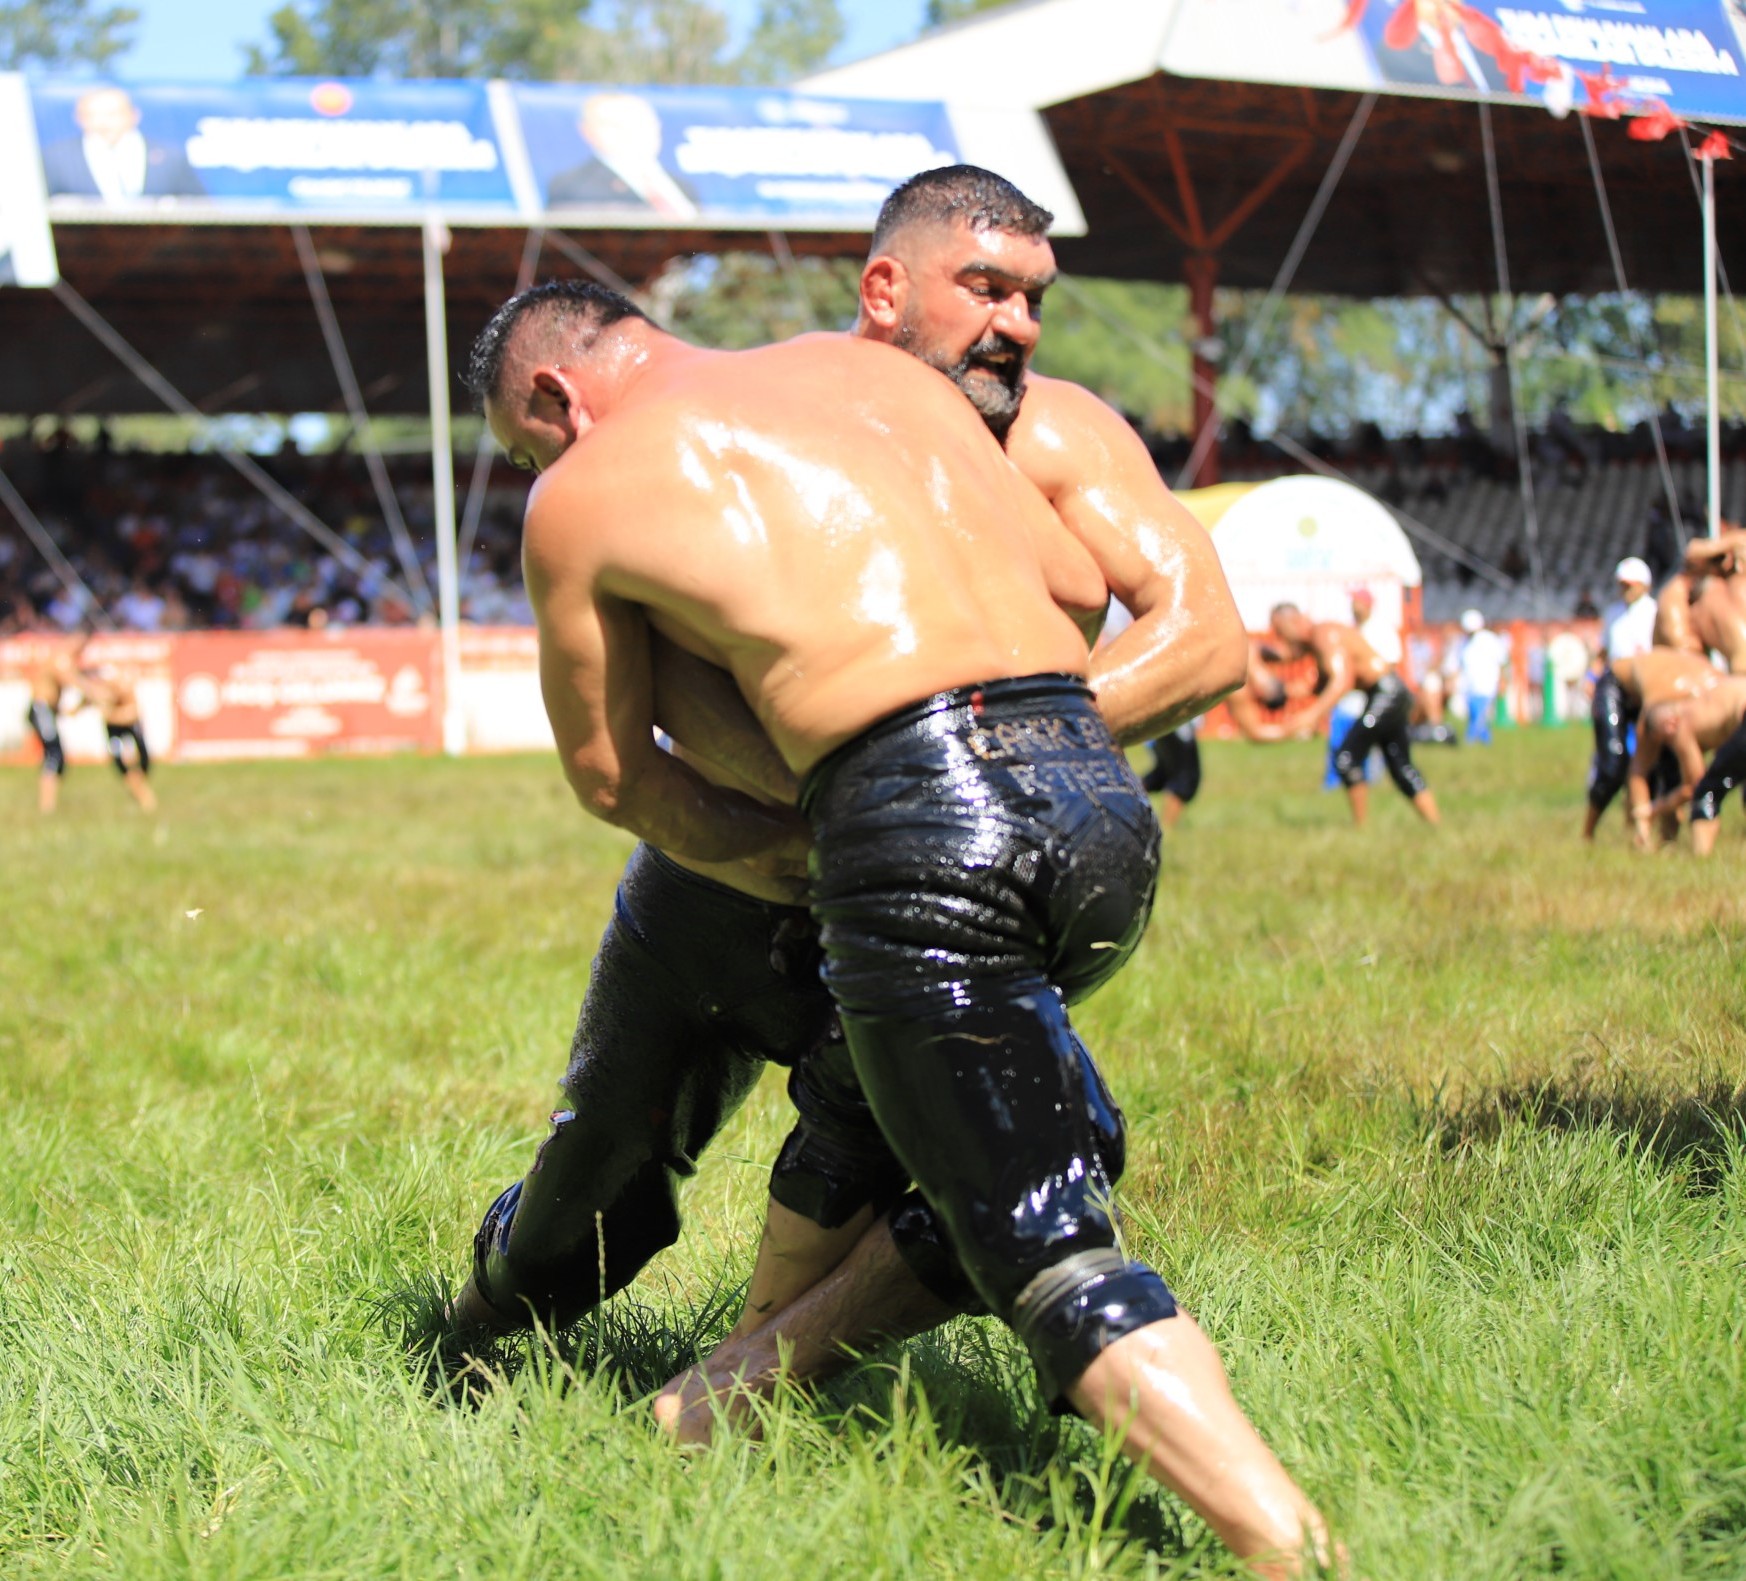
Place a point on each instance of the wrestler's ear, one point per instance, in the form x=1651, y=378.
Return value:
x=555, y=390
x=884, y=285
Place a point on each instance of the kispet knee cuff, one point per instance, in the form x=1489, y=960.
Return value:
x=1071, y=1313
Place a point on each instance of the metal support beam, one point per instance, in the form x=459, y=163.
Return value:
x=1713, y=419
x=1202, y=270
x=442, y=471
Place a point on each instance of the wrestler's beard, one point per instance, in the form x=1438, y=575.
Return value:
x=995, y=390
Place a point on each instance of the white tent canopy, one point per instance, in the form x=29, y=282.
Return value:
x=1307, y=541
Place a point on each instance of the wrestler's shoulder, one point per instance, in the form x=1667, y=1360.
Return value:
x=1062, y=424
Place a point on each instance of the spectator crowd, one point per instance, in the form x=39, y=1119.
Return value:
x=167, y=542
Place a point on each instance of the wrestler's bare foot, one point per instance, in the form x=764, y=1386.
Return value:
x=1426, y=805
x=1163, y=1387
x=692, y=1405
x=1359, y=798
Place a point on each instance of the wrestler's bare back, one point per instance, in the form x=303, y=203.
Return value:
x=1664, y=675
x=827, y=519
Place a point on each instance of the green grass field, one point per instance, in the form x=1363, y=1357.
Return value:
x=1440, y=1137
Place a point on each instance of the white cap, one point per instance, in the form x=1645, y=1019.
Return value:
x=1472, y=620
x=1631, y=569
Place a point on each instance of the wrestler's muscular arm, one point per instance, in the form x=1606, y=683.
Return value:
x=700, y=707
x=1682, y=740
x=1673, y=616
x=597, y=677
x=1335, y=664
x=1186, y=648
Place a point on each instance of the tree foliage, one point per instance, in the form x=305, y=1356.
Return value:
x=61, y=33
x=636, y=41
x=940, y=12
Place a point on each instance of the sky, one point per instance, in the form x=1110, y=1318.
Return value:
x=203, y=40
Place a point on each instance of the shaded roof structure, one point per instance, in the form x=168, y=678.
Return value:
x=1204, y=127
x=224, y=311
x=193, y=257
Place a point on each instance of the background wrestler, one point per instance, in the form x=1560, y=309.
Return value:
x=640, y=1047
x=49, y=683
x=1628, y=629
x=1703, y=719
x=1345, y=660
x=1627, y=686
x=117, y=700
x=1703, y=607
x=716, y=498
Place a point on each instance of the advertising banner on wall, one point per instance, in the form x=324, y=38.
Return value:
x=689, y=154
x=27, y=248
x=294, y=694
x=275, y=144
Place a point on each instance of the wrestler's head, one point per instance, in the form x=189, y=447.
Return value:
x=1660, y=724
x=1292, y=627
x=523, y=366
x=956, y=275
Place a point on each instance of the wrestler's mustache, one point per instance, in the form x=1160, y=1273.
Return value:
x=997, y=354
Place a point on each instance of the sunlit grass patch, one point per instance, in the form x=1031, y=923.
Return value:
x=1440, y=1136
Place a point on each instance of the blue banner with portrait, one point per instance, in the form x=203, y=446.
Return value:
x=277, y=143
x=599, y=154
x=673, y=155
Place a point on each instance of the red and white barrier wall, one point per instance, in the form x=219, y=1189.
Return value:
x=212, y=695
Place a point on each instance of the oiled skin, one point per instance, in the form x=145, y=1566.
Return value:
x=1663, y=675
x=827, y=520
x=1344, y=661
x=1704, y=607
x=1114, y=528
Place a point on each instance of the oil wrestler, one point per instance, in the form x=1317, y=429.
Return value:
x=1704, y=719
x=957, y=271
x=655, y=1069
x=713, y=498
x=1626, y=686
x=49, y=685
x=1628, y=629
x=1703, y=607
x=1344, y=660
x=117, y=700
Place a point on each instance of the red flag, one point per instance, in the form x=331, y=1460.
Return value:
x=1715, y=146
x=1653, y=125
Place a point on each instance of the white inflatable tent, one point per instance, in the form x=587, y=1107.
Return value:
x=1308, y=541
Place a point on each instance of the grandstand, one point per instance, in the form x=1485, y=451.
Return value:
x=173, y=542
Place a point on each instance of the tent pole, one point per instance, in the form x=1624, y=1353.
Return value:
x=1713, y=421
x=442, y=471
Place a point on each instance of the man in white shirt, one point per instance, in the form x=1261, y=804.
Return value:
x=1627, y=630
x=1484, y=657
x=1628, y=626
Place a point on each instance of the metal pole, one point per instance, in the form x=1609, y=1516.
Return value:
x=1714, y=421
x=442, y=472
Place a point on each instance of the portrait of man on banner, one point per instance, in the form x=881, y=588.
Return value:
x=112, y=159
x=621, y=165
